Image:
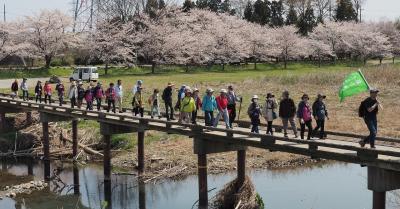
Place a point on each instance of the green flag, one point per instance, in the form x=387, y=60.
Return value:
x=354, y=83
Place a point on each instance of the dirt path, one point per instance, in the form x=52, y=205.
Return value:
x=6, y=83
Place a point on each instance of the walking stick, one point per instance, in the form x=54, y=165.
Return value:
x=240, y=107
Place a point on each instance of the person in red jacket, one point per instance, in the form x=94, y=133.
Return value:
x=198, y=103
x=222, y=105
x=110, y=95
x=14, y=89
x=47, y=92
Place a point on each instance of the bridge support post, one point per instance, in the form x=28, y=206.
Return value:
x=241, y=167
x=2, y=120
x=203, y=187
x=108, y=194
x=29, y=117
x=75, y=138
x=46, y=150
x=107, y=157
x=76, y=180
x=140, y=146
x=142, y=195
x=379, y=182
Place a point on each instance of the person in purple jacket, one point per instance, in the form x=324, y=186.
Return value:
x=304, y=113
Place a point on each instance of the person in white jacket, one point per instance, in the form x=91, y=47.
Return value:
x=269, y=112
x=119, y=93
x=24, y=88
x=73, y=94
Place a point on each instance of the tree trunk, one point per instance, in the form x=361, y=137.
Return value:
x=319, y=61
x=365, y=61
x=106, y=69
x=153, y=68
x=223, y=66
x=380, y=60
x=393, y=59
x=255, y=64
x=187, y=68
x=285, y=62
x=48, y=59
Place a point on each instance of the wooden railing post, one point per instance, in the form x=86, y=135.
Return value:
x=202, y=175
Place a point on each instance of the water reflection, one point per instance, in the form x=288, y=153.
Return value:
x=303, y=188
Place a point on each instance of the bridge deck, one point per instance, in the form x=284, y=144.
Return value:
x=338, y=146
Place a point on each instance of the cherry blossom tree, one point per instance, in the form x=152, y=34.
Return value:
x=389, y=29
x=48, y=34
x=288, y=44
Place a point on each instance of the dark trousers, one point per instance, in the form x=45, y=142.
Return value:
x=89, y=105
x=39, y=97
x=47, y=97
x=138, y=110
x=73, y=102
x=372, y=124
x=109, y=103
x=269, y=128
x=303, y=129
x=232, y=114
x=25, y=95
x=79, y=103
x=194, y=117
x=209, y=118
x=169, y=110
x=254, y=128
x=320, y=127
x=61, y=99
x=98, y=101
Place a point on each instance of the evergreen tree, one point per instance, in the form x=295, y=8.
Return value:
x=226, y=6
x=214, y=5
x=151, y=8
x=345, y=11
x=261, y=12
x=307, y=22
x=291, y=17
x=202, y=4
x=276, y=14
x=161, y=4
x=188, y=5
x=248, y=12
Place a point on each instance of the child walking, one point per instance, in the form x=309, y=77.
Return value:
x=47, y=92
x=254, y=113
x=154, y=104
x=38, y=91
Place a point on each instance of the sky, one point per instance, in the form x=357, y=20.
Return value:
x=373, y=9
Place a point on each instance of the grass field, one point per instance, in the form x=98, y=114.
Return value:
x=299, y=78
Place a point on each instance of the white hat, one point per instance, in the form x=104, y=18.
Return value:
x=209, y=90
x=254, y=97
x=223, y=91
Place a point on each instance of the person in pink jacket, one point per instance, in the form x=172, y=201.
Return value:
x=47, y=92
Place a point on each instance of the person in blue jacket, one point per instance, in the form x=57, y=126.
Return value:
x=208, y=107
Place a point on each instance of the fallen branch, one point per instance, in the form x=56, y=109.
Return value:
x=86, y=148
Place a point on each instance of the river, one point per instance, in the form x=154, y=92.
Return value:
x=328, y=186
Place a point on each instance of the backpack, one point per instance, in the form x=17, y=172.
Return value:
x=361, y=110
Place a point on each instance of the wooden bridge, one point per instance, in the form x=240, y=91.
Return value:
x=383, y=162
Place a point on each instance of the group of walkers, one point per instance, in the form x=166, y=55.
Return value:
x=223, y=106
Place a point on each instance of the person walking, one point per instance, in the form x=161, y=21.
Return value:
x=167, y=97
x=368, y=110
x=60, y=92
x=188, y=106
x=304, y=114
x=14, y=89
x=137, y=102
x=24, y=88
x=287, y=111
x=119, y=93
x=136, y=87
x=320, y=113
x=73, y=94
x=254, y=112
x=208, y=107
x=98, y=94
x=111, y=95
x=89, y=98
x=222, y=106
x=180, y=96
x=198, y=104
x=269, y=112
x=232, y=99
x=38, y=92
x=47, y=92
x=154, y=104
x=81, y=94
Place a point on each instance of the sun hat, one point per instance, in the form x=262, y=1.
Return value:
x=223, y=91
x=209, y=90
x=255, y=97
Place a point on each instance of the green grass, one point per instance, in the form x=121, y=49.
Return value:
x=35, y=73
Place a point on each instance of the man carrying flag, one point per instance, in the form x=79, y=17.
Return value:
x=356, y=83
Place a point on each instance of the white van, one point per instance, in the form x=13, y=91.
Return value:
x=85, y=74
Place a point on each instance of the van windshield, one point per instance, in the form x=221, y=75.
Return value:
x=94, y=70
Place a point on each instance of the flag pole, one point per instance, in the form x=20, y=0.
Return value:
x=369, y=87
